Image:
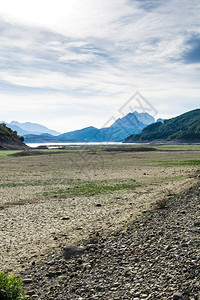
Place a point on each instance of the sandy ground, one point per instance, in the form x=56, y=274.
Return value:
x=34, y=220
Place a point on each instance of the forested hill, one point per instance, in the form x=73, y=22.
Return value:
x=184, y=128
x=10, y=140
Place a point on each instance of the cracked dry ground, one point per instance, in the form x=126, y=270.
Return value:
x=43, y=208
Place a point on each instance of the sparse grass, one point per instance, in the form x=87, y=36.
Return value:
x=178, y=147
x=90, y=188
x=4, y=153
x=26, y=184
x=179, y=163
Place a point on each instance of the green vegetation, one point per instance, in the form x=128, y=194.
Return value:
x=185, y=127
x=26, y=183
x=90, y=188
x=7, y=134
x=179, y=163
x=4, y=153
x=9, y=138
x=178, y=147
x=10, y=287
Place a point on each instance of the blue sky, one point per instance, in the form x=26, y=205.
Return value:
x=68, y=64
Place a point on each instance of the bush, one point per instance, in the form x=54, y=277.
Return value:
x=10, y=287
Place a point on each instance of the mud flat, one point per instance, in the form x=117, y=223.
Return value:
x=56, y=199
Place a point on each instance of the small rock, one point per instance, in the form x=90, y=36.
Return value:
x=168, y=247
x=27, y=280
x=98, y=205
x=79, y=228
x=73, y=251
x=197, y=224
x=177, y=295
x=30, y=293
x=65, y=218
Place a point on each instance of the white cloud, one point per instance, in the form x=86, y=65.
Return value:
x=84, y=54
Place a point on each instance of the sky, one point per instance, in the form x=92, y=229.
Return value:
x=68, y=64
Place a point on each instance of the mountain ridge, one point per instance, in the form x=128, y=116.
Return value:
x=183, y=128
x=29, y=128
x=117, y=132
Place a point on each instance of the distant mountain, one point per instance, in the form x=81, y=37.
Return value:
x=184, y=128
x=117, y=132
x=9, y=140
x=144, y=118
x=87, y=134
x=30, y=128
x=160, y=120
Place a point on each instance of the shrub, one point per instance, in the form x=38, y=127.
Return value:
x=10, y=287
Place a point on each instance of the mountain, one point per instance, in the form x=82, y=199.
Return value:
x=144, y=118
x=117, y=132
x=160, y=120
x=9, y=140
x=183, y=128
x=87, y=134
x=30, y=128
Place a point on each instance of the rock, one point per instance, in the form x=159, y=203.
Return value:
x=177, y=295
x=71, y=251
x=27, y=280
x=65, y=218
x=197, y=224
x=168, y=247
x=98, y=205
x=30, y=293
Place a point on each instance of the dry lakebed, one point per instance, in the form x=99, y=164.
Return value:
x=50, y=199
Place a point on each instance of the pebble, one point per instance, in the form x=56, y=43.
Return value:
x=27, y=280
x=177, y=296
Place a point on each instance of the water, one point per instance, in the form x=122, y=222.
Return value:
x=57, y=145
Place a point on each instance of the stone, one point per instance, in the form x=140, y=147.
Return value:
x=71, y=251
x=177, y=295
x=197, y=224
x=27, y=280
x=168, y=247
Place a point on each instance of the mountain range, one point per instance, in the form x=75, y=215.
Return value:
x=29, y=128
x=133, y=128
x=117, y=132
x=183, y=128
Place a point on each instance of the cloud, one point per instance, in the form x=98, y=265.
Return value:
x=191, y=54
x=99, y=51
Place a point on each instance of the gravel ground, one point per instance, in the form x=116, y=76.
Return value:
x=155, y=257
x=33, y=225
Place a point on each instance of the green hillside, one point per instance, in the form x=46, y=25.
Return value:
x=9, y=139
x=184, y=128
